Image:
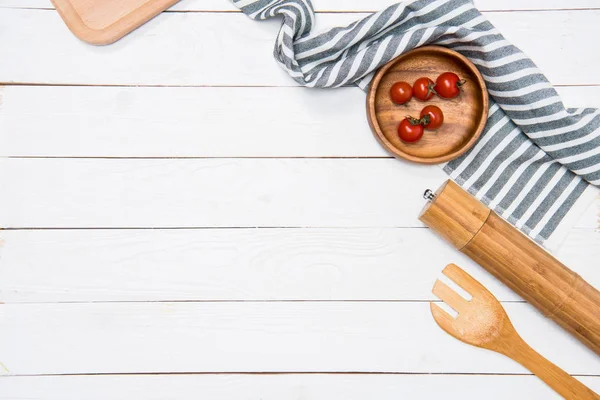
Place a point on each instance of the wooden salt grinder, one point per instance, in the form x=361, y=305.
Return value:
x=516, y=261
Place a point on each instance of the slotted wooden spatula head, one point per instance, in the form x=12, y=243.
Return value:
x=481, y=321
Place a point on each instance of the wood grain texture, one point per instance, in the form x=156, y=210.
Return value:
x=260, y=337
x=179, y=193
x=102, y=22
x=187, y=49
x=539, y=278
x=464, y=116
x=517, y=261
x=243, y=264
x=453, y=215
x=75, y=121
x=279, y=387
x=483, y=322
x=347, y=5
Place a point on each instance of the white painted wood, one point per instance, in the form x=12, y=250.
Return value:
x=185, y=122
x=179, y=193
x=213, y=192
x=230, y=49
x=165, y=193
x=175, y=49
x=345, y=5
x=68, y=121
x=244, y=264
x=260, y=337
x=280, y=387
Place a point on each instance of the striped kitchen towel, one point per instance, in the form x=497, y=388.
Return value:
x=535, y=159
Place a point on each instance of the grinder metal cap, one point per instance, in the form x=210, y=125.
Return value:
x=454, y=214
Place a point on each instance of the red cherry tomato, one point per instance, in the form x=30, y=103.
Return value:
x=432, y=117
x=423, y=89
x=448, y=85
x=410, y=130
x=401, y=92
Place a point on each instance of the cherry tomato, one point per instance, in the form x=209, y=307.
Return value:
x=448, y=85
x=401, y=92
x=423, y=89
x=410, y=130
x=432, y=117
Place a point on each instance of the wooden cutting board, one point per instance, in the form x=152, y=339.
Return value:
x=106, y=21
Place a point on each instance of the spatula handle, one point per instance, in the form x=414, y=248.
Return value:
x=562, y=383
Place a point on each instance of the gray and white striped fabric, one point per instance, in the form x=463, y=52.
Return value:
x=535, y=158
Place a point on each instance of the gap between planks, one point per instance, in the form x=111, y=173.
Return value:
x=285, y=373
x=167, y=301
x=280, y=387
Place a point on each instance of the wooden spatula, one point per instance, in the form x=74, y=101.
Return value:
x=482, y=322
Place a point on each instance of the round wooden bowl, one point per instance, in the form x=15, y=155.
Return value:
x=464, y=116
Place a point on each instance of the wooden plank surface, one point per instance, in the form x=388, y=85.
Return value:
x=185, y=122
x=163, y=337
x=71, y=121
x=279, y=387
x=179, y=193
x=210, y=47
x=153, y=193
x=244, y=264
x=332, y=284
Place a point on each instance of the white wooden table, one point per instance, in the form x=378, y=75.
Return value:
x=184, y=222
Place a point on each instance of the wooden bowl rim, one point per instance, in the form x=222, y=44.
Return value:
x=374, y=124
